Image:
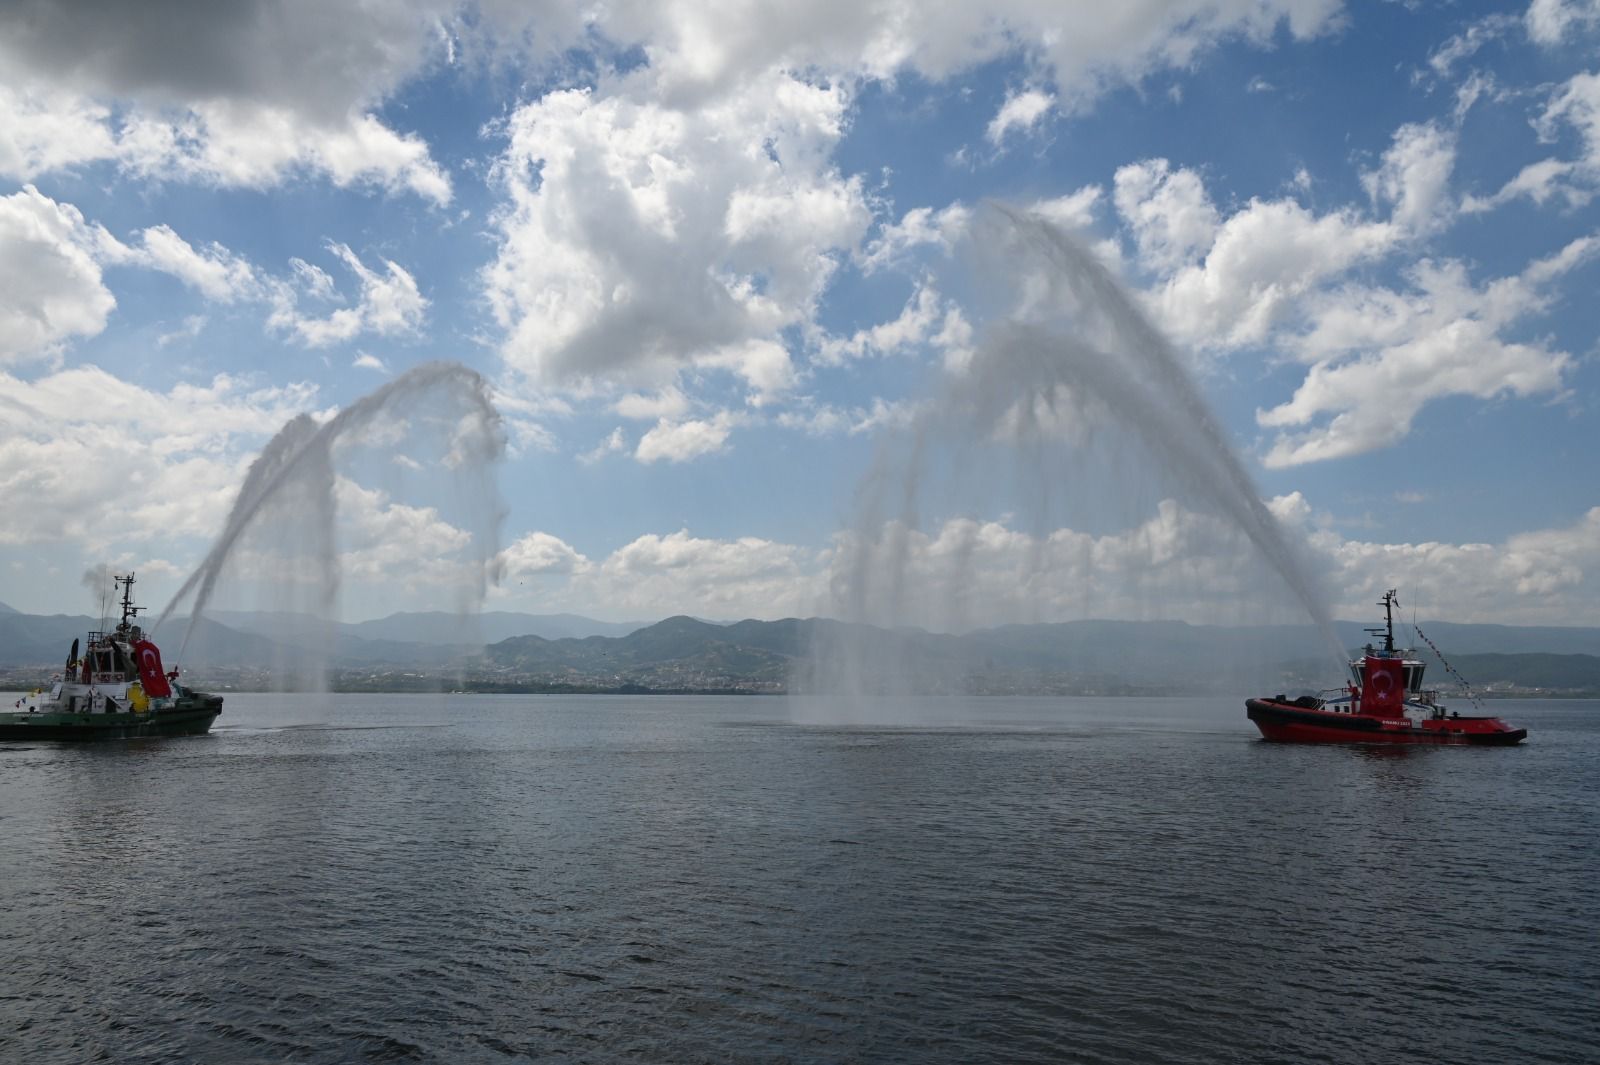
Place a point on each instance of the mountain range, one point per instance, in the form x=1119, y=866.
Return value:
x=508, y=651
x=1088, y=657
x=235, y=638
x=434, y=626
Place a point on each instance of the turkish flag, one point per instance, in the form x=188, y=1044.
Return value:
x=151, y=676
x=1384, y=694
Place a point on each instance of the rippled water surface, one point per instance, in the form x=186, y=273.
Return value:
x=487, y=879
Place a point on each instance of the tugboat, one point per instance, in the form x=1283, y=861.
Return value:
x=1386, y=703
x=115, y=690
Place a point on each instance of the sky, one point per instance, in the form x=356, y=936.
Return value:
x=709, y=254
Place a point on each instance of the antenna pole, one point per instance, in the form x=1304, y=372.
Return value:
x=1389, y=598
x=129, y=611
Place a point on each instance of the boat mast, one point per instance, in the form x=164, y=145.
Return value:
x=129, y=611
x=1387, y=632
x=1389, y=599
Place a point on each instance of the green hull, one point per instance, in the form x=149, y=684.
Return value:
x=190, y=715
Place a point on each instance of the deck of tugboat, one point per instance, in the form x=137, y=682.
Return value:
x=191, y=714
x=1291, y=720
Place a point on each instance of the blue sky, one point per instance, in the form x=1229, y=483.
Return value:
x=710, y=254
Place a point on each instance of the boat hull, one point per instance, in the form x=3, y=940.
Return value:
x=190, y=716
x=1289, y=723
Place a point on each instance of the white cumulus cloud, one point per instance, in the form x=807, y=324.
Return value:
x=216, y=273
x=1549, y=21
x=699, y=50
x=1413, y=178
x=540, y=553
x=681, y=573
x=1169, y=212
x=920, y=227
x=640, y=239
x=102, y=460
x=232, y=94
x=1378, y=356
x=684, y=440
x=1263, y=260
x=1574, y=104
x=390, y=303
x=1021, y=112
x=968, y=572
x=913, y=326
x=51, y=288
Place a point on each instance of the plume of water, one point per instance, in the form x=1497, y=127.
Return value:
x=288, y=500
x=1075, y=357
x=1149, y=388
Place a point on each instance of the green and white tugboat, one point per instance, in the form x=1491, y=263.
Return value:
x=115, y=690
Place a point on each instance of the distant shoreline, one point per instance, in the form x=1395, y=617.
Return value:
x=14, y=686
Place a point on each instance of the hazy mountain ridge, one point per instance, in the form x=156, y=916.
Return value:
x=683, y=653
x=1078, y=656
x=433, y=626
x=46, y=639
x=668, y=653
x=1564, y=672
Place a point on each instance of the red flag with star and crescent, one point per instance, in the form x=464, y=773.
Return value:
x=151, y=676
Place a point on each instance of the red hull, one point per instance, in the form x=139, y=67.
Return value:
x=1290, y=723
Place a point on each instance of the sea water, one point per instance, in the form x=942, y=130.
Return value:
x=593, y=879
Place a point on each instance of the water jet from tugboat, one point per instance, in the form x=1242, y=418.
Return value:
x=1072, y=362
x=289, y=496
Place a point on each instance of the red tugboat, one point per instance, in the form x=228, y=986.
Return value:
x=1385, y=704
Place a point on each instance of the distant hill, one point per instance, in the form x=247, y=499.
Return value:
x=4, y=609
x=260, y=639
x=1082, y=656
x=490, y=627
x=45, y=640
x=679, y=645
x=434, y=626
x=680, y=652
x=1543, y=672
x=39, y=639
x=686, y=654
x=1457, y=638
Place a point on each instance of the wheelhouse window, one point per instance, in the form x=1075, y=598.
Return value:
x=1414, y=676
